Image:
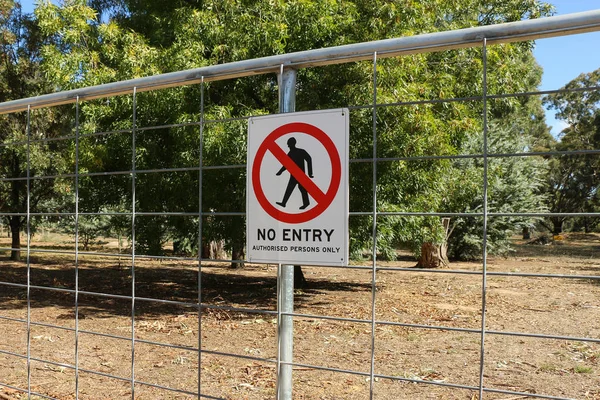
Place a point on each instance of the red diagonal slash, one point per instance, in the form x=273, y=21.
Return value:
x=323, y=200
x=303, y=179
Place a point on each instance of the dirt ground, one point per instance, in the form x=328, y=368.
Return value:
x=561, y=307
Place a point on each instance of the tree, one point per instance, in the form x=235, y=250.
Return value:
x=136, y=39
x=20, y=77
x=514, y=186
x=573, y=179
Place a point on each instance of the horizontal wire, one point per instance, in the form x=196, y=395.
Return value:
x=414, y=214
x=230, y=119
x=307, y=316
x=544, y=92
x=19, y=320
x=18, y=389
x=534, y=275
x=106, y=335
x=166, y=126
x=428, y=327
x=43, y=395
x=426, y=382
x=72, y=367
x=351, y=213
x=238, y=309
x=121, y=131
x=219, y=353
x=105, y=133
x=323, y=317
x=342, y=319
x=217, y=167
x=441, y=327
x=525, y=394
x=473, y=98
x=400, y=269
x=14, y=285
x=157, y=386
x=496, y=273
x=42, y=140
x=323, y=368
x=327, y=317
x=148, y=342
x=430, y=270
x=147, y=299
x=543, y=336
x=127, y=255
x=416, y=102
x=10, y=353
x=55, y=363
x=104, y=374
x=356, y=160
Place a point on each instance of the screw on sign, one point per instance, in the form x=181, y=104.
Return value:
x=294, y=162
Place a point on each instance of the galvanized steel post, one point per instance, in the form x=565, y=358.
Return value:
x=287, y=103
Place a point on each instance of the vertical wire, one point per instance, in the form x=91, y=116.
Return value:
x=485, y=220
x=201, y=160
x=278, y=384
x=374, y=277
x=28, y=131
x=77, y=249
x=133, y=132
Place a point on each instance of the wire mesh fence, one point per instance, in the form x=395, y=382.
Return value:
x=132, y=222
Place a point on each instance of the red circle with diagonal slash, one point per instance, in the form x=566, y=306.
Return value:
x=323, y=199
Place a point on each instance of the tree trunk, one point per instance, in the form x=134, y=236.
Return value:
x=205, y=249
x=15, y=228
x=299, y=279
x=434, y=255
x=557, y=224
x=237, y=253
x=526, y=233
x=586, y=225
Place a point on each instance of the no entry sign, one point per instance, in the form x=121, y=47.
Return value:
x=297, y=188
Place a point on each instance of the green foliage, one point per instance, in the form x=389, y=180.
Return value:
x=127, y=39
x=514, y=186
x=572, y=183
x=23, y=137
x=88, y=228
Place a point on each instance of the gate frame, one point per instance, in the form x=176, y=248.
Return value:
x=286, y=66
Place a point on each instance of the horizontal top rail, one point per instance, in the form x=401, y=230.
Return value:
x=562, y=25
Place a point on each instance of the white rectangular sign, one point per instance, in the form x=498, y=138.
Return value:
x=297, y=188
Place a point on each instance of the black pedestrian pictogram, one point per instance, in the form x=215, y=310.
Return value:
x=322, y=199
x=300, y=157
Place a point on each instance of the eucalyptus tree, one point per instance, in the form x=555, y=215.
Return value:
x=122, y=39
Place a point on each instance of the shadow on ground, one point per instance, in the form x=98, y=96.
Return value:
x=250, y=287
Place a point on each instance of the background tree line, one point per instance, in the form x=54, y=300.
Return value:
x=80, y=43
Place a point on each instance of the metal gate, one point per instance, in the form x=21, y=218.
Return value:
x=177, y=325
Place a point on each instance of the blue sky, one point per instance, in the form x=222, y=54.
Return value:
x=562, y=58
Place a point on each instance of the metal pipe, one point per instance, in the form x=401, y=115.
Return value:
x=562, y=25
x=287, y=103
x=485, y=223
